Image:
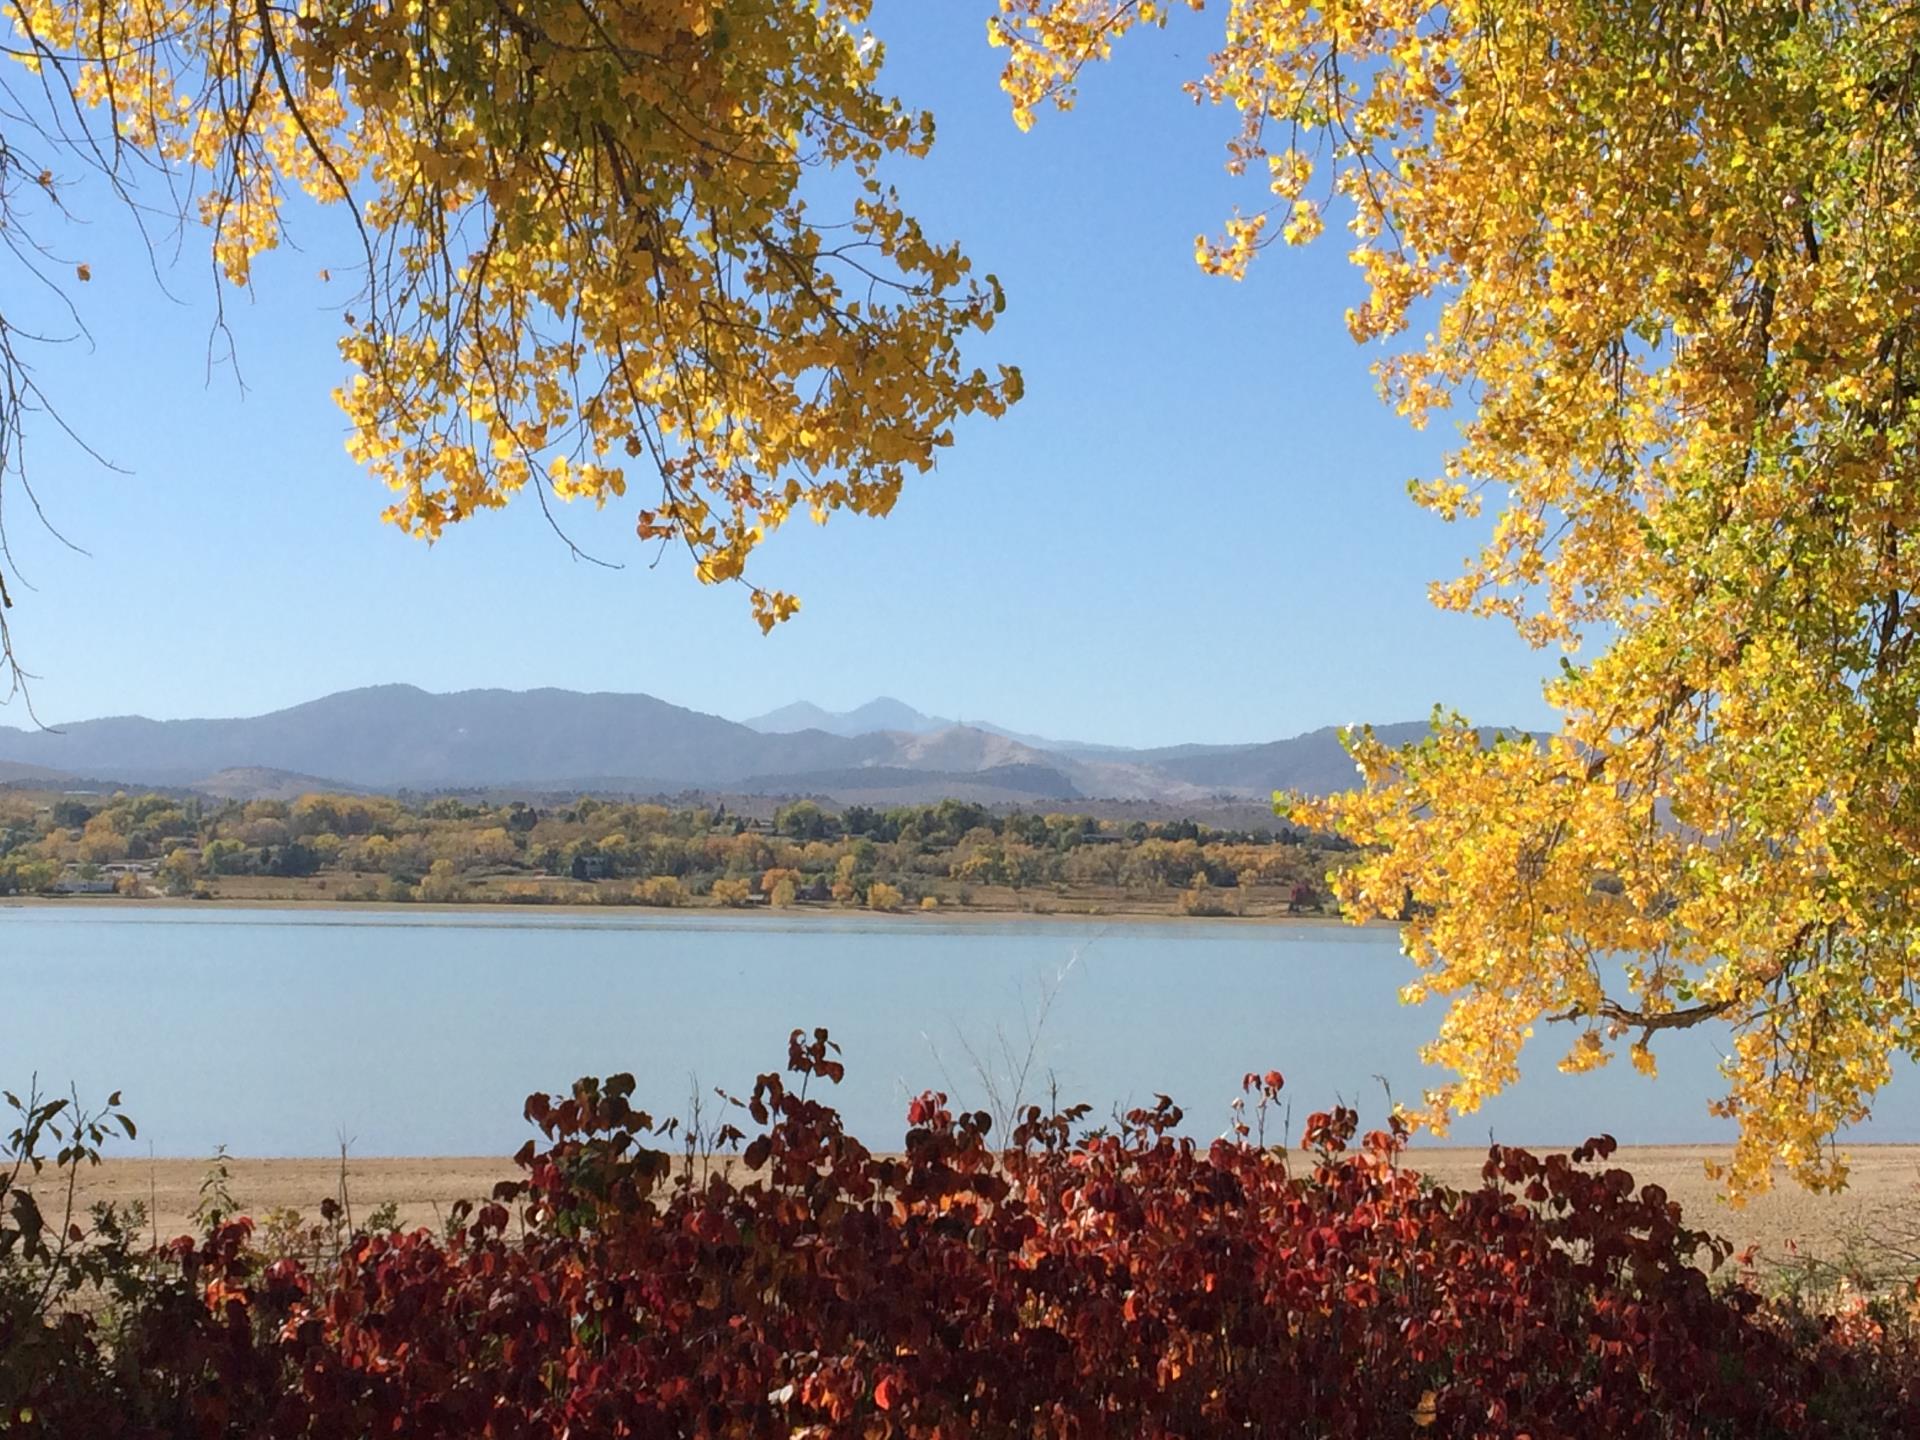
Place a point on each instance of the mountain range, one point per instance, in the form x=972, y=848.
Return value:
x=399, y=737
x=887, y=714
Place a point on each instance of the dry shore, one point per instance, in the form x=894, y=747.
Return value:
x=1879, y=1201
x=989, y=907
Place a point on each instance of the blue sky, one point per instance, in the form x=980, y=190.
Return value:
x=1194, y=528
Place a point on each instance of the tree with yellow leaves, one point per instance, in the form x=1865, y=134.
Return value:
x=587, y=256
x=1669, y=256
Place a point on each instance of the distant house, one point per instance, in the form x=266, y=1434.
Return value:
x=71, y=883
x=592, y=867
x=1304, y=897
x=100, y=879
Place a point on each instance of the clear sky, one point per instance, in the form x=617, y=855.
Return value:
x=1194, y=528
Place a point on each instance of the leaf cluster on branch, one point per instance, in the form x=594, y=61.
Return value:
x=593, y=247
x=1666, y=259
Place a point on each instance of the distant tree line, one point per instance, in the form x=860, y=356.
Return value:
x=448, y=849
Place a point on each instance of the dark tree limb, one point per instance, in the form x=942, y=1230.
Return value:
x=1647, y=1020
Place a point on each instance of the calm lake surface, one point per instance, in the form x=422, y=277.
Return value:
x=275, y=1032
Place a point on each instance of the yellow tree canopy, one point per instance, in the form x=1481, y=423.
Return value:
x=590, y=252
x=1668, y=260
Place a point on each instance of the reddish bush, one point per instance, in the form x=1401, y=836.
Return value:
x=1122, y=1283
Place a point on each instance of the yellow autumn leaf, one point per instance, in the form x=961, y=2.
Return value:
x=1427, y=1411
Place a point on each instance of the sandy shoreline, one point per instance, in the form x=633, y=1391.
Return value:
x=1880, y=1200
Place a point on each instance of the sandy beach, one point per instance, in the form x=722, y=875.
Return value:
x=1879, y=1201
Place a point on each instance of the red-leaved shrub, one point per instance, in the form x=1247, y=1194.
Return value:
x=1120, y=1282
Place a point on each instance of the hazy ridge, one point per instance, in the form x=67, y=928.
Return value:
x=394, y=737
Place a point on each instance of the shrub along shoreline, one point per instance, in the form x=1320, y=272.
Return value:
x=1047, y=1276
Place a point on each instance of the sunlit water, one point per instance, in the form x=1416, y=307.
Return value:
x=277, y=1032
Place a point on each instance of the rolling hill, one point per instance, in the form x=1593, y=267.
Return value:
x=392, y=737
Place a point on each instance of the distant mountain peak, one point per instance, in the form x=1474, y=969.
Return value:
x=883, y=712
x=880, y=715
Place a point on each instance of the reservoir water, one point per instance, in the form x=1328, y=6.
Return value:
x=277, y=1032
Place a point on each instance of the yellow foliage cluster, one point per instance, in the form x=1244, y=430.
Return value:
x=588, y=241
x=660, y=890
x=1672, y=257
